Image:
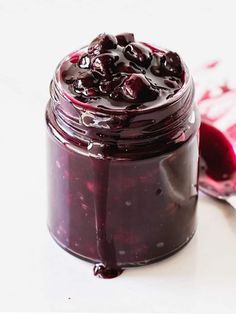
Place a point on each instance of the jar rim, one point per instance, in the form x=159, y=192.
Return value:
x=88, y=106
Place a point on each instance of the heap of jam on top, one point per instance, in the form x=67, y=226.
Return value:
x=117, y=71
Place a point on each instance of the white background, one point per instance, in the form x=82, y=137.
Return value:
x=37, y=275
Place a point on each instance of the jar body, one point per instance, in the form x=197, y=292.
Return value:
x=126, y=212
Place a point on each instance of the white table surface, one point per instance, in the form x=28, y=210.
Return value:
x=37, y=275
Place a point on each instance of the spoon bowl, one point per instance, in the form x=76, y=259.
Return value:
x=217, y=164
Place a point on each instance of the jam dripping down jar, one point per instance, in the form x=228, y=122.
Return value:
x=123, y=184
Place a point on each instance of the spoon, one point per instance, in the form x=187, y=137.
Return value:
x=209, y=190
x=217, y=172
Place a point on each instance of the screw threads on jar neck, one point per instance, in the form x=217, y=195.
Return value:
x=133, y=130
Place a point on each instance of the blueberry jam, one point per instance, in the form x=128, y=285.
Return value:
x=122, y=154
x=104, y=272
x=217, y=162
x=117, y=71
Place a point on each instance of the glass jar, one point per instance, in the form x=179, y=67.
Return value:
x=123, y=185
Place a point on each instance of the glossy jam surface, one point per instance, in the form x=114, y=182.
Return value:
x=217, y=132
x=217, y=162
x=119, y=72
x=122, y=185
x=104, y=272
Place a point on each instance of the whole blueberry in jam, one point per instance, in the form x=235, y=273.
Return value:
x=102, y=43
x=125, y=38
x=118, y=70
x=139, y=54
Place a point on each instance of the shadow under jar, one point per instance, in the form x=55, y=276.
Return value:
x=123, y=184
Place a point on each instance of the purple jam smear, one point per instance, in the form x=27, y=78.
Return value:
x=125, y=73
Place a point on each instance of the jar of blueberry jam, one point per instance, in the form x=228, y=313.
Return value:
x=123, y=154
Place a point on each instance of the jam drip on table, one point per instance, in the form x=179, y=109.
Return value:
x=106, y=272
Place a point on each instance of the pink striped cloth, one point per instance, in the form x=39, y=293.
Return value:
x=216, y=96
